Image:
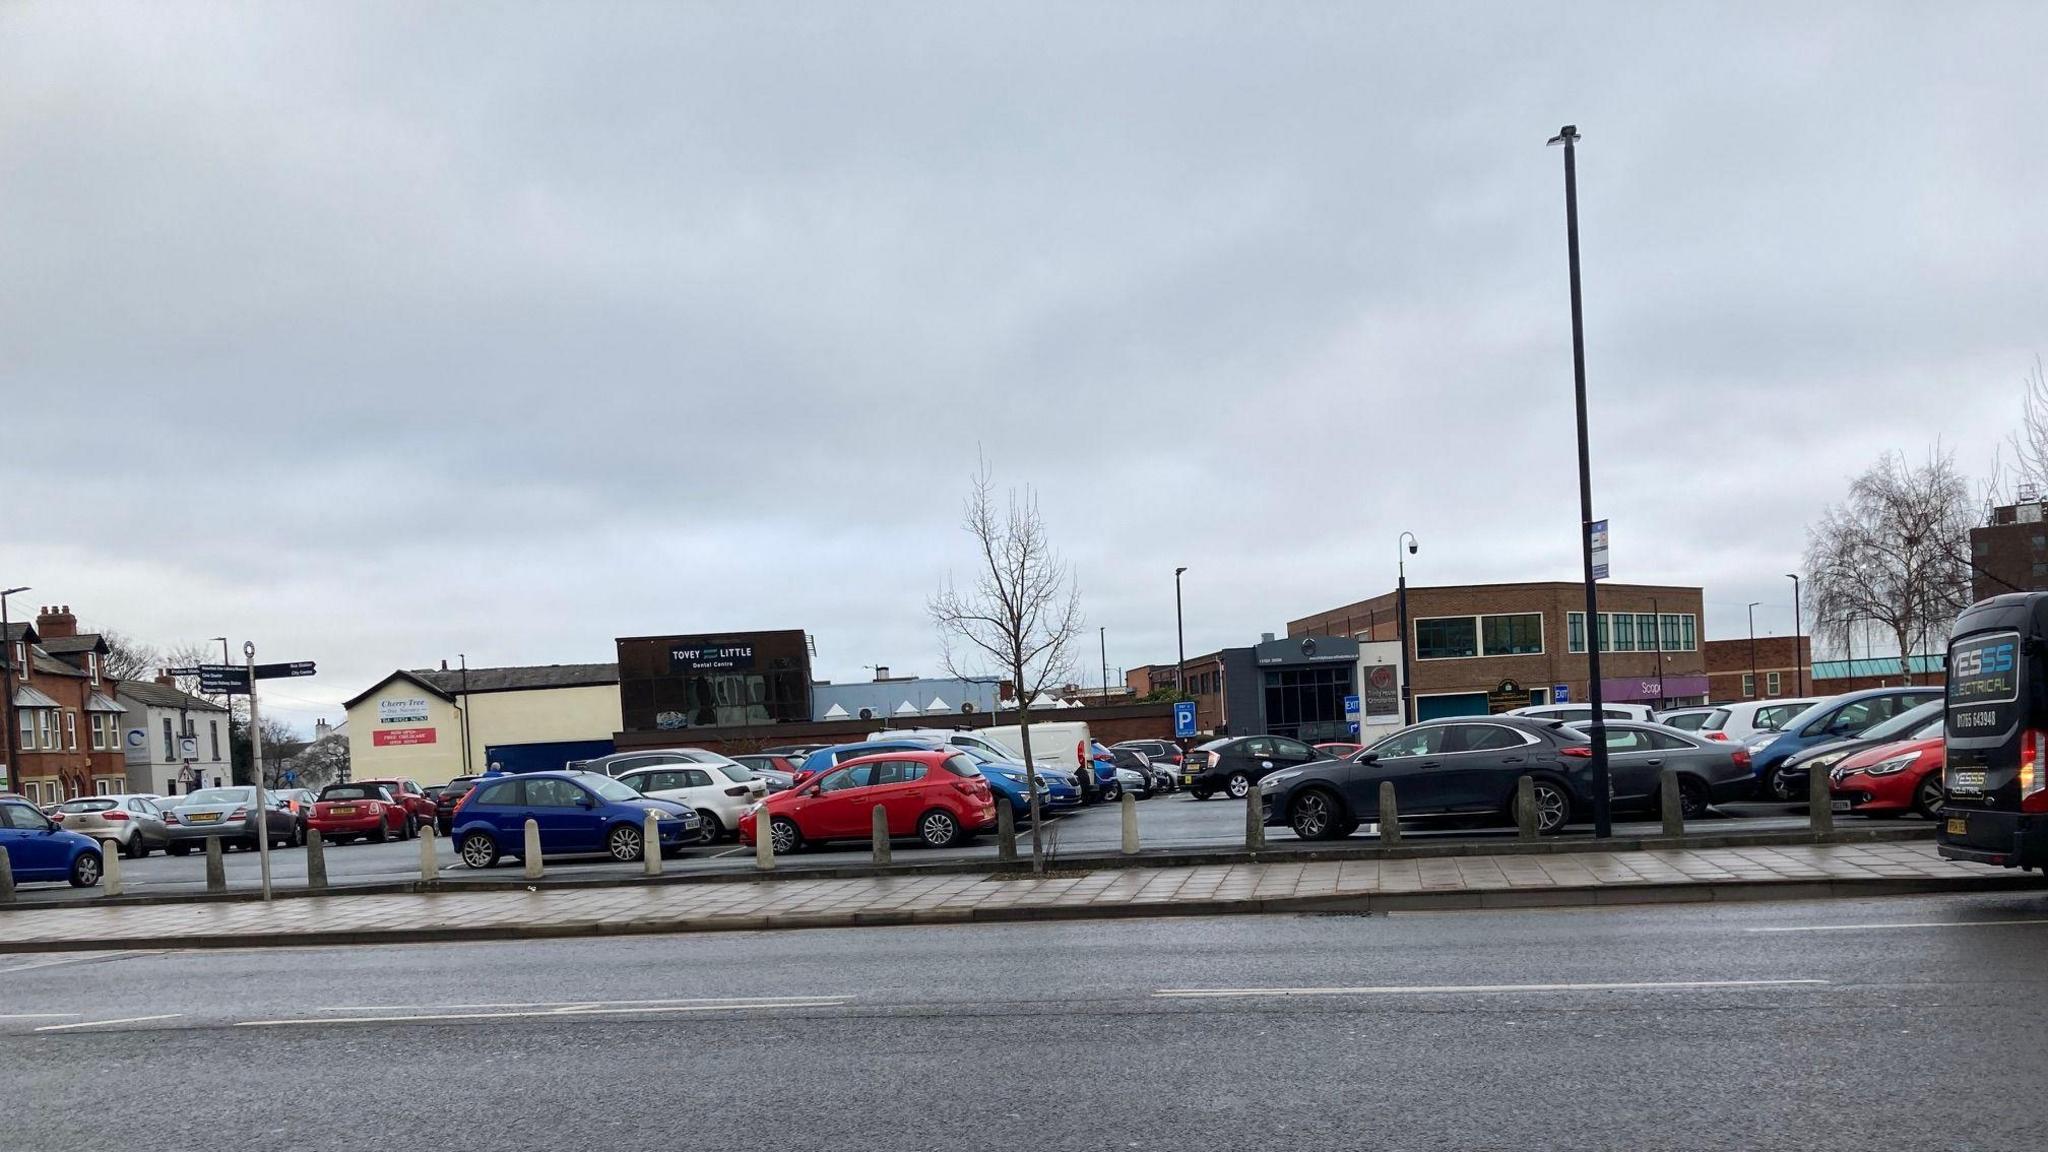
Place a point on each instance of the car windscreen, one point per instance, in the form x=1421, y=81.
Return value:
x=609, y=788
x=218, y=796
x=1716, y=720
x=351, y=792
x=95, y=805
x=737, y=773
x=456, y=787
x=1898, y=726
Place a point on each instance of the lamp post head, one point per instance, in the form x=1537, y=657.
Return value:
x=15, y=591
x=1177, y=572
x=1567, y=136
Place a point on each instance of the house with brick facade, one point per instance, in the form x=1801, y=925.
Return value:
x=62, y=722
x=1765, y=668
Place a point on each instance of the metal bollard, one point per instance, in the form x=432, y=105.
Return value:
x=1254, y=822
x=316, y=859
x=1130, y=806
x=216, y=868
x=878, y=831
x=6, y=879
x=430, y=863
x=1006, y=832
x=1672, y=800
x=1820, y=809
x=530, y=851
x=110, y=867
x=1390, y=816
x=1525, y=809
x=650, y=844
x=764, y=841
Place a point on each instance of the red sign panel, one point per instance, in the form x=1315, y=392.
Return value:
x=386, y=737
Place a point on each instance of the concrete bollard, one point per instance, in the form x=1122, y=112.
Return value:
x=1130, y=806
x=764, y=841
x=1254, y=822
x=316, y=859
x=650, y=844
x=430, y=862
x=1820, y=809
x=530, y=851
x=1672, y=800
x=6, y=879
x=110, y=867
x=1390, y=815
x=878, y=831
x=216, y=868
x=1006, y=832
x=1525, y=809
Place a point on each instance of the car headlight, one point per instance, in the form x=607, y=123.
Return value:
x=1892, y=766
x=1014, y=777
x=1823, y=762
x=1273, y=782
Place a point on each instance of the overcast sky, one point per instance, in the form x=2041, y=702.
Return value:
x=379, y=333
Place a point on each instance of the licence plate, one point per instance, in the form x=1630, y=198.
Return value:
x=344, y=811
x=1958, y=826
x=1187, y=779
x=1838, y=805
x=204, y=817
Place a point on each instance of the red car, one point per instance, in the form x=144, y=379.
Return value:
x=1891, y=780
x=937, y=796
x=418, y=804
x=1340, y=750
x=364, y=810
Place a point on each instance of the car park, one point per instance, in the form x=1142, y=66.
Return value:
x=360, y=810
x=935, y=794
x=1709, y=771
x=39, y=849
x=1744, y=720
x=718, y=793
x=131, y=823
x=575, y=813
x=1915, y=723
x=1891, y=780
x=1233, y=765
x=448, y=798
x=1456, y=767
x=229, y=814
x=1835, y=718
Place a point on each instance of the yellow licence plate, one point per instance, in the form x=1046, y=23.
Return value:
x=344, y=811
x=205, y=817
x=1958, y=826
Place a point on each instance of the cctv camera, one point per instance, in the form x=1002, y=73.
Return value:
x=1411, y=548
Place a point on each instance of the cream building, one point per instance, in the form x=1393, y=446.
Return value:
x=411, y=723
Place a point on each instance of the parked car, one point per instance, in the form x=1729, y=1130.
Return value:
x=1461, y=767
x=229, y=813
x=1744, y=720
x=1234, y=764
x=37, y=849
x=1915, y=723
x=1164, y=753
x=1835, y=718
x=620, y=763
x=1580, y=713
x=131, y=823
x=1339, y=749
x=300, y=803
x=576, y=813
x=410, y=796
x=794, y=753
x=1151, y=780
x=937, y=795
x=1891, y=780
x=719, y=793
x=1709, y=771
x=360, y=810
x=1687, y=719
x=446, y=801
x=777, y=768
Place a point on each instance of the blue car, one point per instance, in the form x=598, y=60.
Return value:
x=1104, y=761
x=575, y=812
x=1836, y=718
x=1005, y=777
x=39, y=850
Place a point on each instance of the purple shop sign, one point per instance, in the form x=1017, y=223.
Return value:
x=1642, y=688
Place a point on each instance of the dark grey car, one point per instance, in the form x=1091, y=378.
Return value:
x=1709, y=771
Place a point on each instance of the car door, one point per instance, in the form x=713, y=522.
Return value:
x=1477, y=766
x=1252, y=756
x=840, y=809
x=1402, y=759
x=34, y=850
x=901, y=789
x=1633, y=762
x=566, y=814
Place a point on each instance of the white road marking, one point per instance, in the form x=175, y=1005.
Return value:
x=1463, y=989
x=1898, y=927
x=106, y=1023
x=568, y=1011
x=37, y=1015
x=768, y=1001
x=30, y=967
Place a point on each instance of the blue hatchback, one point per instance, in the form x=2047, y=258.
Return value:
x=575, y=812
x=1836, y=718
x=39, y=850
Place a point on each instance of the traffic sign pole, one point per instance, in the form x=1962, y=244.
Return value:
x=256, y=768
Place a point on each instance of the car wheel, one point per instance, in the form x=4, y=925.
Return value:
x=1240, y=785
x=1928, y=797
x=479, y=850
x=411, y=828
x=1199, y=793
x=1314, y=815
x=382, y=834
x=85, y=871
x=1553, y=806
x=178, y=849
x=1692, y=799
x=624, y=843
x=135, y=849
x=938, y=829
x=784, y=835
x=1779, y=789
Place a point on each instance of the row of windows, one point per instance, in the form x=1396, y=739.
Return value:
x=48, y=729
x=1457, y=637
x=1205, y=683
x=1772, y=684
x=1635, y=632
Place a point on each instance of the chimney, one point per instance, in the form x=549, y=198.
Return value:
x=57, y=623
x=164, y=677
x=320, y=729
x=444, y=664
x=1265, y=637
x=881, y=673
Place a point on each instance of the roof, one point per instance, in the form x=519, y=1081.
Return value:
x=99, y=703
x=16, y=629
x=49, y=665
x=1929, y=664
x=26, y=696
x=155, y=695
x=527, y=678
x=66, y=645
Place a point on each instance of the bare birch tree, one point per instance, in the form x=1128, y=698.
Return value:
x=1021, y=614
x=2029, y=442
x=1895, y=555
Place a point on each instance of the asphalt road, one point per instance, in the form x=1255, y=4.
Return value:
x=1902, y=1023
x=1170, y=821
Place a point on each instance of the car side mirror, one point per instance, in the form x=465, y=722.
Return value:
x=1368, y=757
x=585, y=802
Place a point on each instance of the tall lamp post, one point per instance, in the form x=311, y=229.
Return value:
x=1798, y=638
x=1102, y=638
x=1756, y=682
x=1401, y=616
x=1180, y=670
x=13, y=778
x=1603, y=823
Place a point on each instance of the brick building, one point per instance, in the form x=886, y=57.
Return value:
x=1779, y=666
x=64, y=723
x=2010, y=554
x=1480, y=648
x=1204, y=686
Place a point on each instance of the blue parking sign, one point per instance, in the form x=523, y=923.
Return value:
x=1183, y=719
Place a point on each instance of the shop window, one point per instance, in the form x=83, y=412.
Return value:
x=1446, y=638
x=1518, y=635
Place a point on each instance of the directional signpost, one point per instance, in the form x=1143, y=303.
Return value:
x=281, y=671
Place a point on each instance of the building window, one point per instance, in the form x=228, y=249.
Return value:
x=1748, y=686
x=1772, y=685
x=1575, y=632
x=1446, y=637
x=1625, y=632
x=170, y=741
x=46, y=727
x=1678, y=632
x=21, y=657
x=28, y=727
x=70, y=731
x=1600, y=631
x=1646, y=632
x=1517, y=635
x=213, y=730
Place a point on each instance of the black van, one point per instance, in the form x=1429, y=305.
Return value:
x=1996, y=779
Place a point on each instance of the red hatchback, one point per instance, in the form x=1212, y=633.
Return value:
x=937, y=796
x=414, y=798
x=363, y=810
x=1891, y=780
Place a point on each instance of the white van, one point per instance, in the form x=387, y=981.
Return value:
x=1053, y=741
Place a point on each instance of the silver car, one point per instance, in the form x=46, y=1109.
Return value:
x=131, y=823
x=229, y=813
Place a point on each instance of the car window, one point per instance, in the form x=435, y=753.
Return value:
x=1667, y=742
x=1480, y=738
x=22, y=818
x=695, y=778
x=97, y=805
x=350, y=792
x=1257, y=746
x=899, y=772
x=858, y=776
x=1413, y=742
x=411, y=789
x=1626, y=740
x=1716, y=720
x=1291, y=749
x=505, y=792
x=1856, y=716
x=552, y=793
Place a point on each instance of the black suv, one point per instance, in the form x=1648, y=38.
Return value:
x=1164, y=753
x=447, y=798
x=1235, y=763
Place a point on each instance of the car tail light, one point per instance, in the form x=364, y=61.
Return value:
x=2034, y=771
x=1741, y=757
x=1715, y=735
x=738, y=790
x=1577, y=751
x=114, y=814
x=170, y=816
x=239, y=814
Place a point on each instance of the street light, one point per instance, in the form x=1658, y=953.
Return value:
x=1401, y=615
x=1603, y=825
x=1755, y=681
x=1798, y=638
x=1180, y=672
x=7, y=688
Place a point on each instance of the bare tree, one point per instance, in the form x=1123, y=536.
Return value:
x=1022, y=614
x=129, y=658
x=2029, y=442
x=1896, y=555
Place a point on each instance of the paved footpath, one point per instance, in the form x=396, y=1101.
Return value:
x=1503, y=881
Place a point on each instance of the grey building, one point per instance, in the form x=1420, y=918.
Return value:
x=174, y=741
x=1291, y=686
